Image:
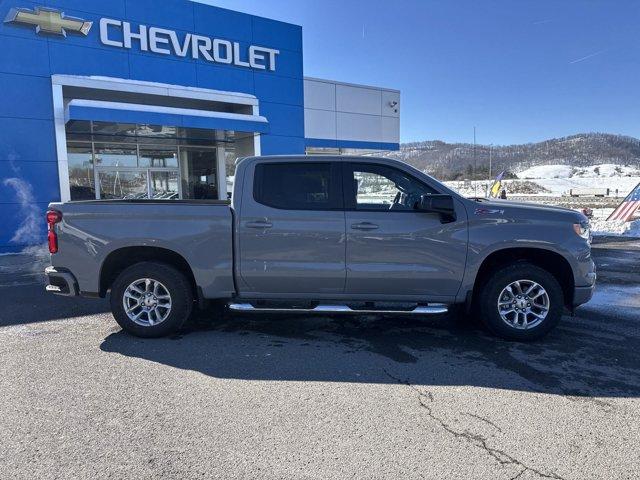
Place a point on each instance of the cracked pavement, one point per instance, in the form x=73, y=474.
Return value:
x=427, y=401
x=321, y=397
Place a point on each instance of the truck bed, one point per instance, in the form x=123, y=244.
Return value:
x=199, y=231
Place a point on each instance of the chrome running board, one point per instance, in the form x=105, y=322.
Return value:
x=433, y=309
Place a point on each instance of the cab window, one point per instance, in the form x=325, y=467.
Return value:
x=378, y=187
x=298, y=186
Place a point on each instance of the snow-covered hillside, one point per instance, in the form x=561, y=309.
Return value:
x=547, y=171
x=567, y=171
x=559, y=179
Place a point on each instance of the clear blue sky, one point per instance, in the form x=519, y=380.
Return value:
x=520, y=71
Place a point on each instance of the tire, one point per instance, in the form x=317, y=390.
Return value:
x=159, y=317
x=494, y=290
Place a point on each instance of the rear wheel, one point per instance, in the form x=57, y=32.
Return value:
x=521, y=302
x=151, y=299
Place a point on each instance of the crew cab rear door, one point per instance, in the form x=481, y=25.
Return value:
x=393, y=250
x=291, y=229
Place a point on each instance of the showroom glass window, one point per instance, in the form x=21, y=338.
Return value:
x=130, y=161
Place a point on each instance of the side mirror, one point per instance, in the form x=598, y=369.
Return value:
x=441, y=204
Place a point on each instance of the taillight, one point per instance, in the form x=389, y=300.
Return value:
x=53, y=217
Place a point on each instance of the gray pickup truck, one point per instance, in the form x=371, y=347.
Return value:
x=325, y=234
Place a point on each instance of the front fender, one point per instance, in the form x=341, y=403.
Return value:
x=494, y=234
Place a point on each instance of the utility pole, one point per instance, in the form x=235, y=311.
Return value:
x=475, y=164
x=490, y=151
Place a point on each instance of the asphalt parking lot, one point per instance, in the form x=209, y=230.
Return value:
x=321, y=397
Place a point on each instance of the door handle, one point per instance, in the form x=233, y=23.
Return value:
x=260, y=224
x=364, y=226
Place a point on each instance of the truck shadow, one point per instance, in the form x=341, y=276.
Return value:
x=24, y=304
x=582, y=358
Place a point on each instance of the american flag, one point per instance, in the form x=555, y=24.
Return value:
x=628, y=207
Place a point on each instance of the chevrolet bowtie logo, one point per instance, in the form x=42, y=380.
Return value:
x=48, y=20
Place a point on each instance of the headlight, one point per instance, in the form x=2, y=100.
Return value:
x=583, y=229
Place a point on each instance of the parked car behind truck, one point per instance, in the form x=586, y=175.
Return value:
x=325, y=234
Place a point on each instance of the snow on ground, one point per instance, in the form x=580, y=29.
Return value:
x=618, y=186
x=567, y=171
x=621, y=300
x=480, y=188
x=614, y=296
x=547, y=171
x=600, y=227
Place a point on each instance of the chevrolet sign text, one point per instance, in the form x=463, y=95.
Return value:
x=116, y=33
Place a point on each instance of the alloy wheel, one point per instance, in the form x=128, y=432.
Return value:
x=147, y=302
x=523, y=304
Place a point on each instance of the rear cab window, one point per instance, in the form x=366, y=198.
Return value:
x=298, y=185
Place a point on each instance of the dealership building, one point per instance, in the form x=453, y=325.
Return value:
x=156, y=99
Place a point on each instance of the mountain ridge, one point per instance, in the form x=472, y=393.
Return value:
x=451, y=161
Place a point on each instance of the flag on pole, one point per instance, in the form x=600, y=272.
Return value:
x=628, y=207
x=497, y=186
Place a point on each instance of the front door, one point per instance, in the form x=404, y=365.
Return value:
x=291, y=230
x=393, y=249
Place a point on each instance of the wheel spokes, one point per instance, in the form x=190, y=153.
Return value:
x=134, y=288
x=518, y=287
x=128, y=295
x=523, y=304
x=147, y=302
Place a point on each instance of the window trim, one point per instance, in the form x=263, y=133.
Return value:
x=349, y=195
x=335, y=190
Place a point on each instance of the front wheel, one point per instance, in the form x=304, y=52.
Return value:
x=521, y=302
x=151, y=299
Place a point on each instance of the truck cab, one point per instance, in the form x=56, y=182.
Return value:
x=353, y=228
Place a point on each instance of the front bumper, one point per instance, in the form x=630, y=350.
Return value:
x=61, y=282
x=582, y=295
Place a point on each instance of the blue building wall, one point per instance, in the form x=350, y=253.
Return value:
x=28, y=162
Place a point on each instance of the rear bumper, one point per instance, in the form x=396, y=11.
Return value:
x=61, y=282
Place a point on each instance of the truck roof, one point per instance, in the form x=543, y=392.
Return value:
x=310, y=158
